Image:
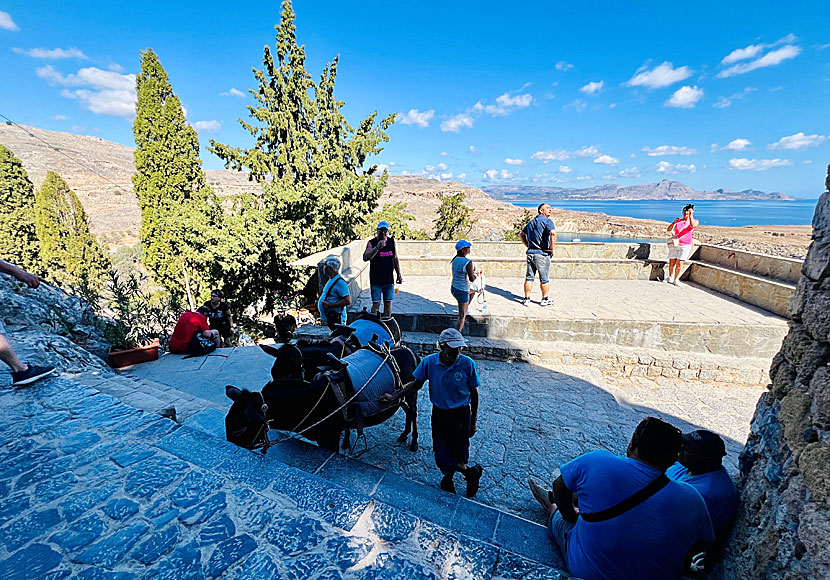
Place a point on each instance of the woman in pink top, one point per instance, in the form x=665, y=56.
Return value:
x=682, y=229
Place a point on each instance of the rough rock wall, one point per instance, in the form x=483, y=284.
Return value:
x=48, y=326
x=783, y=525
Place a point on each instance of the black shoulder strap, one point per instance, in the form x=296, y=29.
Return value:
x=656, y=485
x=326, y=297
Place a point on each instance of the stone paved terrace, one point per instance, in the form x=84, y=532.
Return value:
x=93, y=489
x=638, y=313
x=533, y=417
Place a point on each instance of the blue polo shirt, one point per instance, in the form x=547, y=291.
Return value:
x=449, y=387
x=335, y=290
x=537, y=233
x=718, y=491
x=649, y=541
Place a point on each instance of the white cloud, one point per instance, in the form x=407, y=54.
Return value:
x=564, y=66
x=673, y=169
x=757, y=164
x=442, y=166
x=583, y=178
x=505, y=104
x=494, y=174
x=658, y=77
x=565, y=169
x=233, y=92
x=416, y=117
x=612, y=105
x=630, y=173
x=115, y=67
x=606, y=160
x=59, y=117
x=52, y=53
x=461, y=176
x=380, y=168
x=510, y=161
x=750, y=51
x=577, y=105
x=668, y=150
x=685, y=97
x=472, y=150
x=207, y=126
x=447, y=175
x=456, y=123
x=444, y=153
x=771, y=58
x=724, y=102
x=102, y=92
x=563, y=154
x=593, y=87
x=734, y=145
x=6, y=22
x=798, y=141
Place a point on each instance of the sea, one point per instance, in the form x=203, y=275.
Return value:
x=708, y=212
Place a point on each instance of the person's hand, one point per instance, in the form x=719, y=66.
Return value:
x=473, y=429
x=326, y=304
x=30, y=280
x=399, y=280
x=382, y=242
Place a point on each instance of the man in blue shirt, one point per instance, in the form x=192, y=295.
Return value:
x=453, y=390
x=539, y=236
x=699, y=465
x=335, y=295
x=613, y=538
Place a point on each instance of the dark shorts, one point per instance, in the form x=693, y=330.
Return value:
x=451, y=437
x=463, y=296
x=538, y=263
x=200, y=345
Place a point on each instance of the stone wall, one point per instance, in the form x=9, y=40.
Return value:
x=783, y=525
x=783, y=269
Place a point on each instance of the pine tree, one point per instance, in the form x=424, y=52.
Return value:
x=18, y=238
x=453, y=218
x=70, y=253
x=180, y=216
x=307, y=158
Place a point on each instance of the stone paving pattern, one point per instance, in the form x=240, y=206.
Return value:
x=533, y=417
x=91, y=488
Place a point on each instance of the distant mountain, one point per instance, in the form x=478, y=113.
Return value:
x=666, y=189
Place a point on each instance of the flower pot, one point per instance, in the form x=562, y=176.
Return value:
x=124, y=358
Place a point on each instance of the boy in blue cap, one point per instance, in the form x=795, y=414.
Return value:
x=382, y=256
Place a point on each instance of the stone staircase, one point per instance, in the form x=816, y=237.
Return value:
x=94, y=488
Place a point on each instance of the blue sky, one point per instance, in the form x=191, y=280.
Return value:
x=570, y=94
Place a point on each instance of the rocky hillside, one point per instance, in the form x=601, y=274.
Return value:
x=663, y=190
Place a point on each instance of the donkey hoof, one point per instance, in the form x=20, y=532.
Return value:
x=346, y=444
x=414, y=446
x=403, y=437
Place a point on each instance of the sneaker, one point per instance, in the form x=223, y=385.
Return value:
x=676, y=282
x=30, y=375
x=473, y=477
x=669, y=280
x=525, y=301
x=546, y=301
x=542, y=495
x=447, y=484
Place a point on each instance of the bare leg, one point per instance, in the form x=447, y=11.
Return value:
x=672, y=265
x=8, y=356
x=375, y=307
x=528, y=288
x=677, y=269
x=462, y=315
x=545, y=287
x=387, y=309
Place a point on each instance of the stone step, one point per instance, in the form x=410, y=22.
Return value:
x=102, y=489
x=771, y=295
x=622, y=362
x=560, y=268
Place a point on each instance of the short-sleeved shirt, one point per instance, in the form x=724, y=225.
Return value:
x=449, y=387
x=335, y=290
x=718, y=491
x=537, y=233
x=649, y=541
x=382, y=266
x=218, y=317
x=188, y=324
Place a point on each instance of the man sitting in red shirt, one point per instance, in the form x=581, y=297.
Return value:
x=190, y=327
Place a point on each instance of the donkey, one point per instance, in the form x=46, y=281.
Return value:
x=315, y=408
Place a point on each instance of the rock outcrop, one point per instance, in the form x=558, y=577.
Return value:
x=783, y=526
x=48, y=326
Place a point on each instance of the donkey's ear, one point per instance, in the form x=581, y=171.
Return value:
x=232, y=392
x=270, y=349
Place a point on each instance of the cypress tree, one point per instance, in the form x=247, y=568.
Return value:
x=18, y=238
x=70, y=253
x=180, y=216
x=307, y=158
x=453, y=218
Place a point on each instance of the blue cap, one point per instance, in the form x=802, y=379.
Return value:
x=383, y=224
x=461, y=244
